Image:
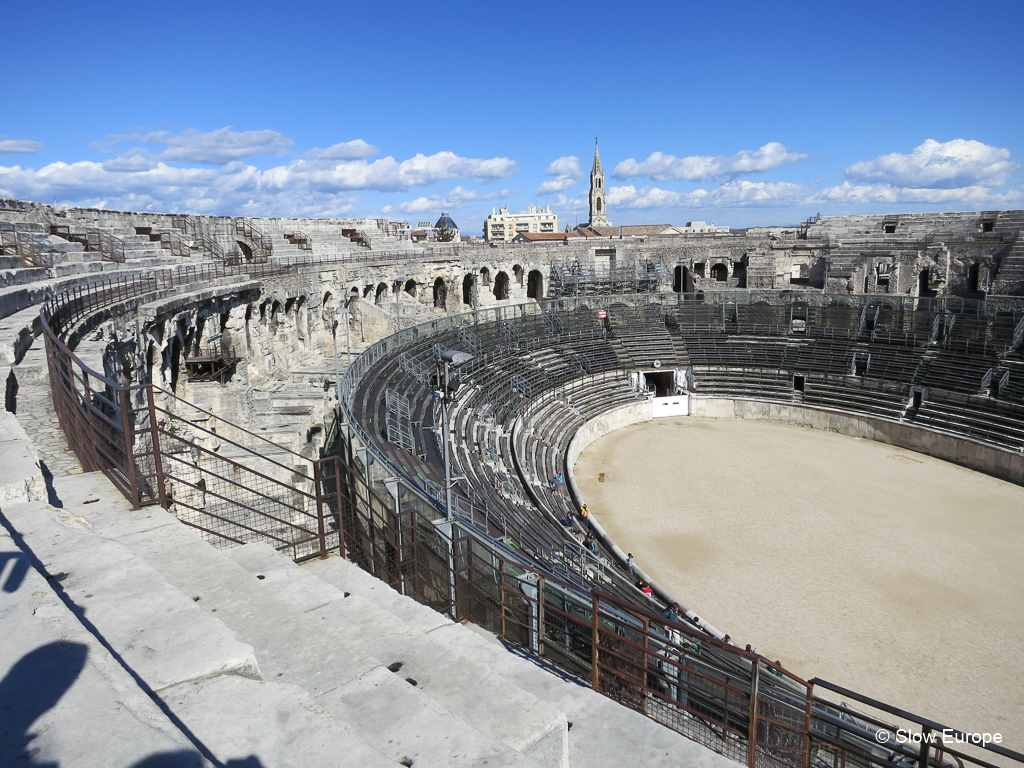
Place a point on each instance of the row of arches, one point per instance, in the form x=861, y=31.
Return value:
x=500, y=288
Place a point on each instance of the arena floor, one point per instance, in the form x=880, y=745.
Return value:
x=882, y=570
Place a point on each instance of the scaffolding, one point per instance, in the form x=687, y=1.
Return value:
x=399, y=420
x=596, y=276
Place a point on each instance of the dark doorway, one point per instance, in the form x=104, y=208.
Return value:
x=535, y=285
x=798, y=383
x=720, y=272
x=468, y=290
x=973, y=281
x=681, y=282
x=440, y=293
x=175, y=361
x=501, y=286
x=662, y=381
x=923, y=282
x=410, y=287
x=382, y=293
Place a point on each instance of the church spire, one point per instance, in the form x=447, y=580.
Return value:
x=598, y=209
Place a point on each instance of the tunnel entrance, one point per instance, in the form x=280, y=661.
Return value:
x=663, y=382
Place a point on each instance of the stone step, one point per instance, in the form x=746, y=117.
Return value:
x=492, y=704
x=66, y=700
x=603, y=733
x=157, y=630
x=269, y=724
x=297, y=636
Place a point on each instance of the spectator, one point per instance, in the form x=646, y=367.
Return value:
x=645, y=588
x=585, y=514
x=570, y=520
x=672, y=612
x=559, y=485
x=590, y=544
x=630, y=564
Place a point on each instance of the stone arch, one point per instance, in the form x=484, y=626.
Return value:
x=367, y=290
x=327, y=310
x=174, y=360
x=440, y=293
x=518, y=272
x=301, y=318
x=468, y=289
x=974, y=278
x=245, y=249
x=501, y=290
x=720, y=272
x=485, y=276
x=382, y=294
x=276, y=315
x=410, y=287
x=535, y=285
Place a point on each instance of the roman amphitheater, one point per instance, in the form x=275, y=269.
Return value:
x=281, y=492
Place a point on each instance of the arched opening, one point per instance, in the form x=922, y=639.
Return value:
x=535, y=285
x=518, y=272
x=923, y=284
x=681, y=282
x=410, y=287
x=599, y=182
x=599, y=205
x=244, y=249
x=175, y=361
x=367, y=291
x=382, y=293
x=501, y=286
x=468, y=290
x=485, y=276
x=720, y=272
x=327, y=310
x=440, y=293
x=973, y=278
x=301, y=318
x=276, y=315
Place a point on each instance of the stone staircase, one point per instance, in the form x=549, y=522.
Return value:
x=171, y=647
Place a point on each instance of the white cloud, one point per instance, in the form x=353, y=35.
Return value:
x=212, y=147
x=567, y=173
x=453, y=201
x=346, y=150
x=888, y=194
x=568, y=165
x=18, y=146
x=137, y=179
x=557, y=184
x=661, y=167
x=954, y=164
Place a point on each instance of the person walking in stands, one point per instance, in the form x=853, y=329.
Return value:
x=585, y=514
x=589, y=543
x=672, y=612
x=559, y=485
x=630, y=564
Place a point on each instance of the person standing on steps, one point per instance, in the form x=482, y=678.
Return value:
x=559, y=485
x=630, y=564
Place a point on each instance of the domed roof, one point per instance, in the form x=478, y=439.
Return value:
x=446, y=221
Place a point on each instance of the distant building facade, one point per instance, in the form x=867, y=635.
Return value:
x=502, y=226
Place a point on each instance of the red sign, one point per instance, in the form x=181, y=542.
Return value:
x=602, y=313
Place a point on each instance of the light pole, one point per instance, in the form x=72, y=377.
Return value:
x=445, y=390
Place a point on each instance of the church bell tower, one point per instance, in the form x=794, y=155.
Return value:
x=598, y=208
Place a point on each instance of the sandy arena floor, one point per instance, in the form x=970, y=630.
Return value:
x=882, y=570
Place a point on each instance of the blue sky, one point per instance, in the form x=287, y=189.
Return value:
x=739, y=113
